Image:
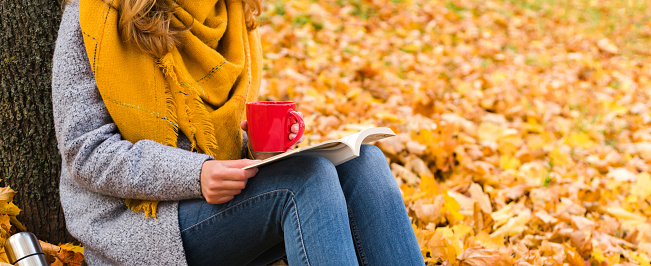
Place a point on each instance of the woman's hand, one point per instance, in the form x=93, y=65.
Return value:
x=294, y=130
x=221, y=181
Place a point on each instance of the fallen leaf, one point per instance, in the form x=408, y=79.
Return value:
x=572, y=257
x=607, y=46
x=514, y=226
x=478, y=256
x=480, y=197
x=7, y=194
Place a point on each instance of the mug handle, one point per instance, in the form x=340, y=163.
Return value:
x=301, y=129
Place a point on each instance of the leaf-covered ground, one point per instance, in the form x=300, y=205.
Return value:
x=524, y=125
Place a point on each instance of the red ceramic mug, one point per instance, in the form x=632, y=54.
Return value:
x=269, y=125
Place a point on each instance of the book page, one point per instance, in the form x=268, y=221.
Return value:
x=337, y=151
x=376, y=137
x=352, y=139
x=331, y=147
x=372, y=135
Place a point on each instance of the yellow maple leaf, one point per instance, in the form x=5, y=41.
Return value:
x=14, y=221
x=642, y=259
x=452, y=207
x=509, y=142
x=461, y=231
x=5, y=222
x=628, y=219
x=573, y=257
x=579, y=139
x=509, y=162
x=444, y=245
x=532, y=125
x=559, y=158
x=598, y=255
x=488, y=241
x=429, y=186
x=73, y=247
x=390, y=117
x=9, y=208
x=642, y=187
x=538, y=141
x=514, y=226
x=613, y=259
x=503, y=215
x=4, y=260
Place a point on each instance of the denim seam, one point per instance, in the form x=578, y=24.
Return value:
x=238, y=204
x=300, y=232
x=356, y=239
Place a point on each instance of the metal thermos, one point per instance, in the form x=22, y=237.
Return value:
x=23, y=249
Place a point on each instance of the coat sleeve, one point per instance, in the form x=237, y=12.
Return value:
x=90, y=144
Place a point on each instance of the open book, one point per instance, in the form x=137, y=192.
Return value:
x=337, y=151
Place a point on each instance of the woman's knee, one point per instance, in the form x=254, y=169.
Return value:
x=315, y=166
x=314, y=171
x=371, y=155
x=369, y=171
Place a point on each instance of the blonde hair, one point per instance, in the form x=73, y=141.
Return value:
x=146, y=23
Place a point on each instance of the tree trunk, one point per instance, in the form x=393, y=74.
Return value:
x=29, y=159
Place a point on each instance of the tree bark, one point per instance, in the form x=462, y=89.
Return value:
x=29, y=159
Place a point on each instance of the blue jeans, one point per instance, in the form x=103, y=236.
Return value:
x=310, y=211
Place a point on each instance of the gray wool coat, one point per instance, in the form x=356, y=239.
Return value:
x=100, y=169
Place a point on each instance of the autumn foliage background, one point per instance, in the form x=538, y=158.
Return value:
x=524, y=126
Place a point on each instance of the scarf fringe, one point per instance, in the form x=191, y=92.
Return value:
x=171, y=139
x=193, y=129
x=205, y=126
x=200, y=124
x=170, y=109
x=147, y=206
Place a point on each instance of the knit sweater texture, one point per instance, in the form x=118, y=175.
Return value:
x=100, y=169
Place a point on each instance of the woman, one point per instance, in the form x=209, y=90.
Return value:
x=148, y=105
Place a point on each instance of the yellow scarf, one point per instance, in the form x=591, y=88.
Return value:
x=200, y=88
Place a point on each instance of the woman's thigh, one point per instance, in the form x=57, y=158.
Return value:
x=236, y=232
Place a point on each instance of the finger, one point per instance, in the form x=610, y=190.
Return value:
x=222, y=193
x=300, y=114
x=220, y=200
x=239, y=163
x=292, y=136
x=295, y=128
x=228, y=193
x=251, y=172
x=244, y=125
x=238, y=174
x=226, y=199
x=232, y=185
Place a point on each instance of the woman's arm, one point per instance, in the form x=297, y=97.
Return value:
x=90, y=143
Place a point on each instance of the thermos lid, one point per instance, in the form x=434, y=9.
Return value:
x=22, y=245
